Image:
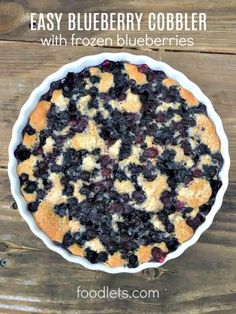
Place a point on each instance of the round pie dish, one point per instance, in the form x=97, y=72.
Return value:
x=214, y=137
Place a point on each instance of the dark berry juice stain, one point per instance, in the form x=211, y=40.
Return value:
x=100, y=202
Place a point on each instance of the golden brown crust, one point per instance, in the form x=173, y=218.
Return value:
x=115, y=149
x=183, y=231
x=29, y=197
x=134, y=74
x=106, y=82
x=205, y=128
x=89, y=163
x=38, y=117
x=94, y=71
x=153, y=190
x=77, y=186
x=59, y=100
x=181, y=157
x=132, y=103
x=188, y=97
x=74, y=225
x=123, y=186
x=144, y=253
x=54, y=195
x=116, y=260
x=30, y=140
x=53, y=225
x=89, y=139
x=157, y=223
x=27, y=166
x=162, y=246
x=133, y=158
x=82, y=103
x=197, y=193
x=106, y=79
x=77, y=250
x=168, y=82
x=48, y=146
x=95, y=245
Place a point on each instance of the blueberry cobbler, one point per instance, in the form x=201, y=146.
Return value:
x=119, y=164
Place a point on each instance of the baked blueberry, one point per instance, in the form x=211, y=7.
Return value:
x=33, y=206
x=22, y=153
x=132, y=261
x=30, y=187
x=23, y=178
x=158, y=255
x=61, y=209
x=117, y=162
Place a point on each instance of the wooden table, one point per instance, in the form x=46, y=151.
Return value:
x=36, y=280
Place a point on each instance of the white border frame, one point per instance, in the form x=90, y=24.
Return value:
x=78, y=66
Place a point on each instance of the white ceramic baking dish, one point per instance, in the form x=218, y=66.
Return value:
x=77, y=66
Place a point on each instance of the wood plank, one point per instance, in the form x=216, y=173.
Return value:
x=37, y=279
x=219, y=36
x=25, y=65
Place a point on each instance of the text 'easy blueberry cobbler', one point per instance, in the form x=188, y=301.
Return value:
x=119, y=164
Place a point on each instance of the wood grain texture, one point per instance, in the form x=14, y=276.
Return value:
x=220, y=35
x=36, y=280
